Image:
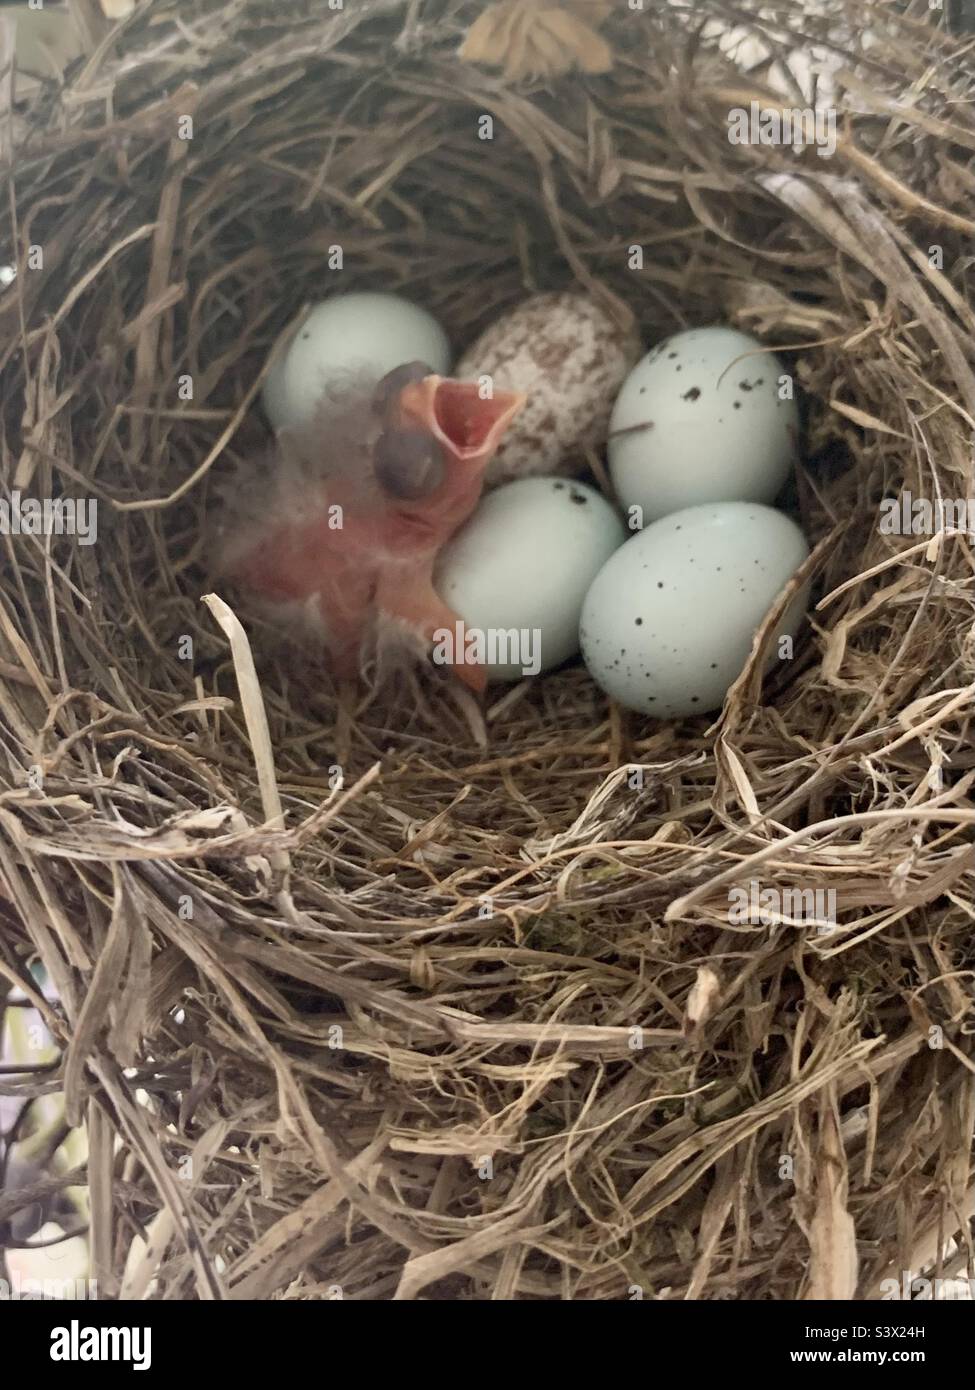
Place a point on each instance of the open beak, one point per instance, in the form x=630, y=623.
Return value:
x=454, y=412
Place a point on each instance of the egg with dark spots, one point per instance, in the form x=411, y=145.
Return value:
x=520, y=567
x=685, y=623
x=698, y=450
x=570, y=355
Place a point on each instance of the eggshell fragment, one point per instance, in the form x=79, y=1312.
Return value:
x=667, y=625
x=570, y=357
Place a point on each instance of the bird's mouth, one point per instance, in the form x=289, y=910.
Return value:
x=458, y=416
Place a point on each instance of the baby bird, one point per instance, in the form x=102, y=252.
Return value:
x=340, y=535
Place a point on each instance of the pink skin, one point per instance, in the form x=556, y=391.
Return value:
x=382, y=558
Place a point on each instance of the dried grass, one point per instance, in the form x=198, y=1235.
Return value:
x=487, y=908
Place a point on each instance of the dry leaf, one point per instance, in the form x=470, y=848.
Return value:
x=577, y=40
x=45, y=43
x=527, y=39
x=422, y=973
x=833, y=1262
x=701, y=1000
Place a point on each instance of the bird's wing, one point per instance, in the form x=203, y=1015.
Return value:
x=305, y=473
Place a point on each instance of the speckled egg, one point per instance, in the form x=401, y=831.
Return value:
x=358, y=331
x=668, y=622
x=570, y=357
x=706, y=416
x=522, y=565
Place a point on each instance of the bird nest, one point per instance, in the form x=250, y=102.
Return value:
x=413, y=996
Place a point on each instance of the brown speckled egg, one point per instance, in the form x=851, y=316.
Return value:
x=570, y=358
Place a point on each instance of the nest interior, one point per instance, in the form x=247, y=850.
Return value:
x=410, y=999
